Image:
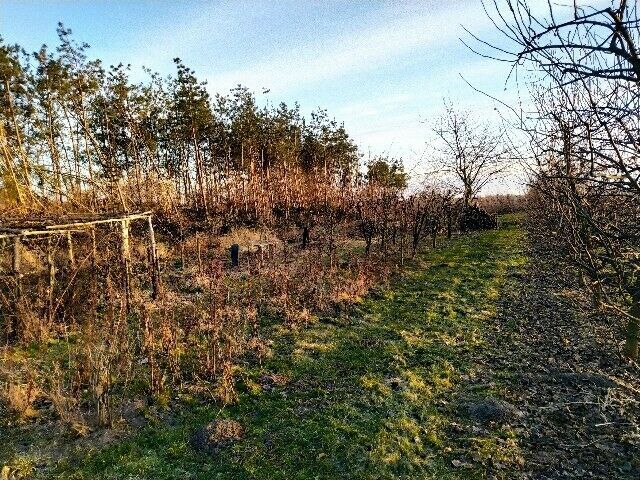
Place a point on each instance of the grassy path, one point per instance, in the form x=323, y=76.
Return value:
x=367, y=397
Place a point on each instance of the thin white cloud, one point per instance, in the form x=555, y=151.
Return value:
x=374, y=107
x=353, y=53
x=200, y=24
x=405, y=118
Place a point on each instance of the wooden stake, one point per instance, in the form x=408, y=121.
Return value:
x=199, y=253
x=52, y=281
x=155, y=267
x=126, y=259
x=72, y=260
x=17, y=246
x=182, y=259
x=94, y=269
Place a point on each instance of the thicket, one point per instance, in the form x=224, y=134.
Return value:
x=501, y=204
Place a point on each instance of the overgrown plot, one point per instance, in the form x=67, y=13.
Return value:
x=365, y=400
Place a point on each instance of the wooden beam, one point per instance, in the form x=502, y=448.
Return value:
x=68, y=227
x=134, y=216
x=27, y=233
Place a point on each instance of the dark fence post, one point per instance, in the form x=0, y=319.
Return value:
x=235, y=255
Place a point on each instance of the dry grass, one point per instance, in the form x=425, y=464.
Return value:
x=20, y=399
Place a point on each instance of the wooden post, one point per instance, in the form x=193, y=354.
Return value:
x=198, y=249
x=235, y=255
x=94, y=274
x=126, y=259
x=16, y=255
x=259, y=255
x=17, y=246
x=72, y=259
x=182, y=259
x=155, y=265
x=94, y=248
x=52, y=282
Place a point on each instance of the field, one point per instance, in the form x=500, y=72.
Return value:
x=398, y=386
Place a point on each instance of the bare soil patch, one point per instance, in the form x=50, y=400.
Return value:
x=552, y=357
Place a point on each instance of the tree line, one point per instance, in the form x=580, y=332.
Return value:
x=77, y=132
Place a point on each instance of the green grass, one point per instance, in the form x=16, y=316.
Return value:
x=366, y=399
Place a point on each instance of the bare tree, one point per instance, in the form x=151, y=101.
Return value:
x=585, y=138
x=473, y=152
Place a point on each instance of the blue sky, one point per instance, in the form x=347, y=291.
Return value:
x=383, y=68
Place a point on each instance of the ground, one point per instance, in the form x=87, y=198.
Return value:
x=554, y=356
x=477, y=362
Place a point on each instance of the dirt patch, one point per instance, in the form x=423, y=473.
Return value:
x=491, y=410
x=270, y=381
x=215, y=436
x=553, y=358
x=395, y=383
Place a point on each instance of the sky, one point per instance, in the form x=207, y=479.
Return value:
x=382, y=68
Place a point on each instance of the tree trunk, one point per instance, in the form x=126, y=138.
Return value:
x=467, y=196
